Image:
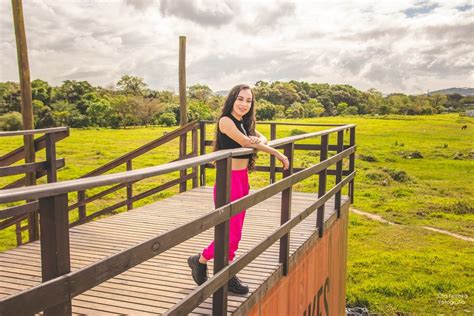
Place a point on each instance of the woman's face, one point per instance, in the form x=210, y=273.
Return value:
x=242, y=103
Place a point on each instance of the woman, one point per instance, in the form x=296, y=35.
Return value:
x=235, y=128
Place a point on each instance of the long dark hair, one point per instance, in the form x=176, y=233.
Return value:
x=248, y=119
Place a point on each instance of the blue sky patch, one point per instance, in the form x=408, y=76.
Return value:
x=465, y=7
x=423, y=8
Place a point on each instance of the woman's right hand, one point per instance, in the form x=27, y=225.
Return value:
x=284, y=160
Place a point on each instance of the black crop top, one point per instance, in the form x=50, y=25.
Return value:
x=225, y=142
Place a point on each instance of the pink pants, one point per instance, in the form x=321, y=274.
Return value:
x=239, y=187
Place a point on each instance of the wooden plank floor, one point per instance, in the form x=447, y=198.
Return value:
x=157, y=284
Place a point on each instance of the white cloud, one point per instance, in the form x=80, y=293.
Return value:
x=405, y=45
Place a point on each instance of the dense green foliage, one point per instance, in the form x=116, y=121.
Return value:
x=132, y=103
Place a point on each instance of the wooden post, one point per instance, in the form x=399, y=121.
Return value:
x=202, y=136
x=221, y=234
x=322, y=184
x=81, y=196
x=194, y=137
x=272, y=158
x=55, y=255
x=340, y=148
x=183, y=118
x=352, y=163
x=286, y=211
x=129, y=188
x=19, y=237
x=51, y=157
x=26, y=105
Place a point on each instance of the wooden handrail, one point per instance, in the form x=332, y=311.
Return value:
x=40, y=143
x=283, y=123
x=143, y=149
x=44, y=190
x=34, y=131
x=50, y=189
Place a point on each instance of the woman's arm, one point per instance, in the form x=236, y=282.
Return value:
x=227, y=126
x=272, y=151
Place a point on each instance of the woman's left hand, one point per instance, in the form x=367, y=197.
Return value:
x=254, y=139
x=284, y=161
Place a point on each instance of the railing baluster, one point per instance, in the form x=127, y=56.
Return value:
x=19, y=235
x=55, y=257
x=272, y=158
x=81, y=196
x=129, y=188
x=340, y=148
x=221, y=234
x=322, y=184
x=51, y=157
x=352, y=163
x=286, y=211
x=195, y=153
x=202, y=151
x=182, y=153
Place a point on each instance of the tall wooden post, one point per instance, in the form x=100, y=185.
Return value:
x=221, y=234
x=322, y=184
x=183, y=118
x=286, y=211
x=55, y=248
x=340, y=148
x=26, y=106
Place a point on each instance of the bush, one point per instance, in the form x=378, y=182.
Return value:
x=460, y=208
x=313, y=108
x=368, y=158
x=11, y=121
x=296, y=131
x=296, y=110
x=376, y=176
x=398, y=175
x=266, y=110
x=351, y=110
x=199, y=111
x=167, y=119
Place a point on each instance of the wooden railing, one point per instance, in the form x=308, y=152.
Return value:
x=272, y=169
x=17, y=214
x=126, y=160
x=60, y=285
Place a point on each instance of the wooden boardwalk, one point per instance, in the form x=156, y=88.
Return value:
x=157, y=284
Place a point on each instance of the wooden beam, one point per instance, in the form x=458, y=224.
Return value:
x=26, y=105
x=221, y=234
x=182, y=81
x=322, y=184
x=286, y=211
x=183, y=116
x=55, y=254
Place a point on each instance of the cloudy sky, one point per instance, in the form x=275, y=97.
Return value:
x=393, y=46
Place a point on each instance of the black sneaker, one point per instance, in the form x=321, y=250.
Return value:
x=236, y=286
x=199, y=270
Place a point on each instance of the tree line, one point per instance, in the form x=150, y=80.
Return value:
x=131, y=102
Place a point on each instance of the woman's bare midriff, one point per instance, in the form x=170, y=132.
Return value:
x=238, y=164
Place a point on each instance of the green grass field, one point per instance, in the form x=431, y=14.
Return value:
x=391, y=268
